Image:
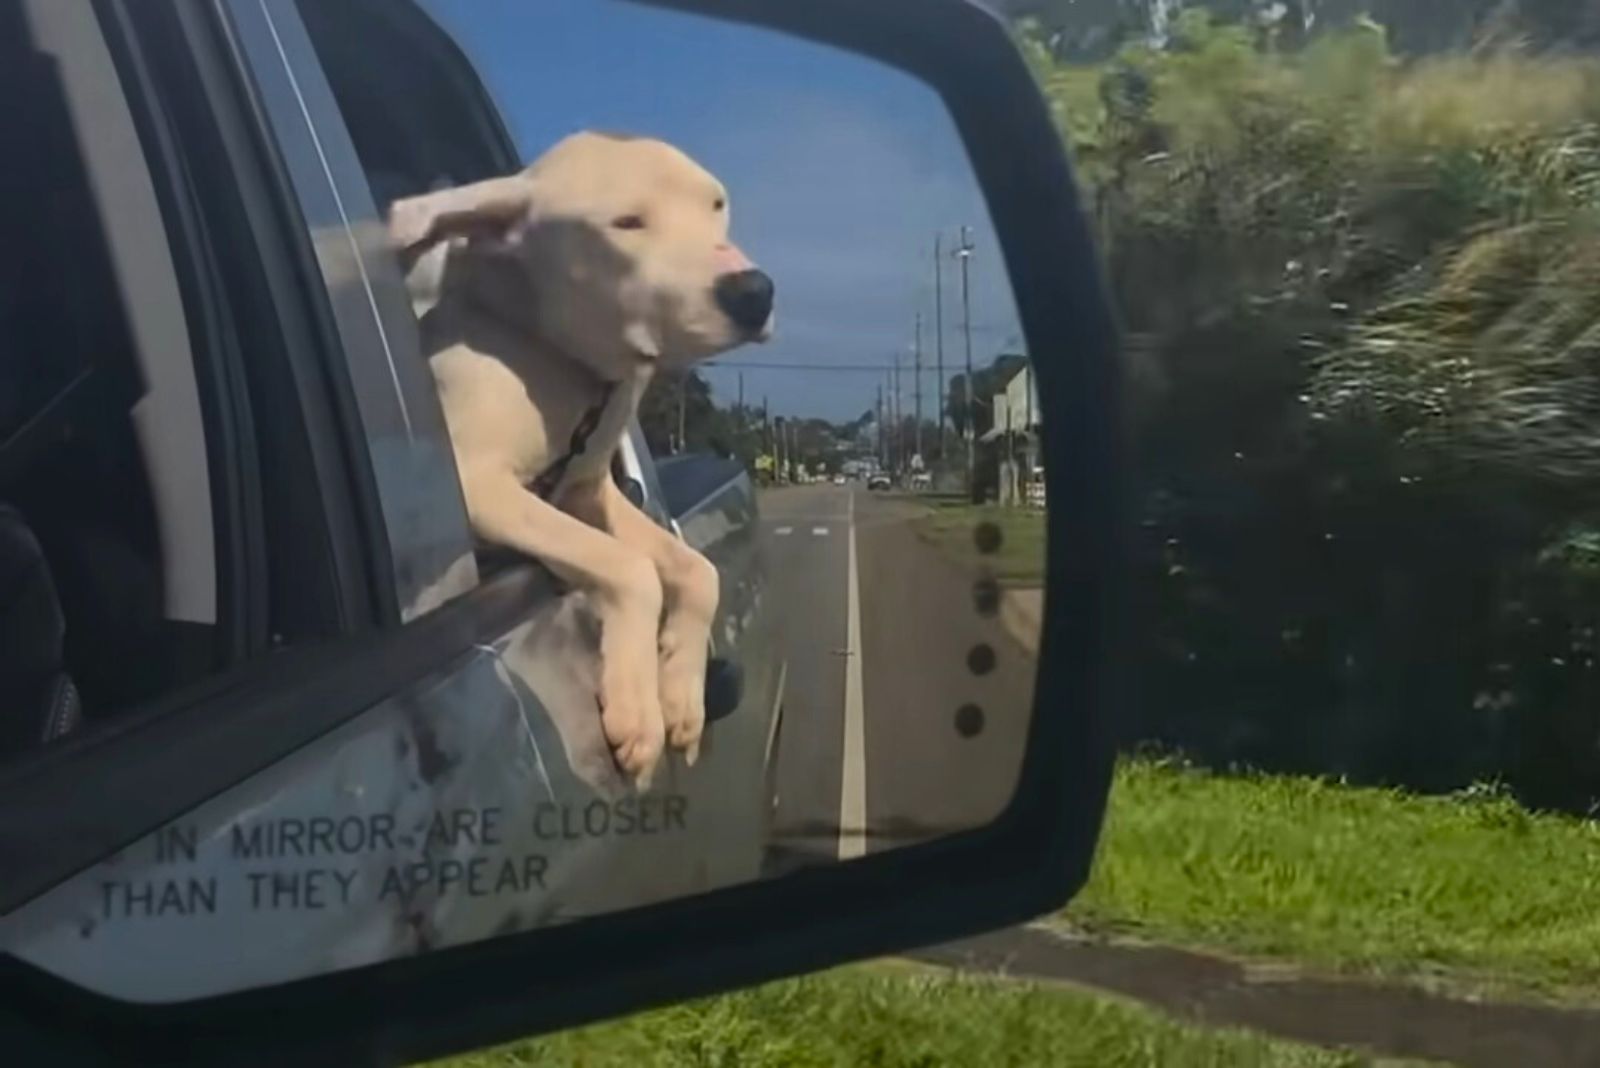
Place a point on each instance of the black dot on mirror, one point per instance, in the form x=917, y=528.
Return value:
x=969, y=721
x=986, y=596
x=980, y=661
x=987, y=537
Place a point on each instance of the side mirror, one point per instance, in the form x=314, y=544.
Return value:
x=408, y=835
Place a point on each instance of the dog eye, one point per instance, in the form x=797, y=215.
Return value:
x=628, y=222
x=718, y=204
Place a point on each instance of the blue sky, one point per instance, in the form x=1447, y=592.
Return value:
x=840, y=171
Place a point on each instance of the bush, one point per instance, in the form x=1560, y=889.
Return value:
x=1362, y=296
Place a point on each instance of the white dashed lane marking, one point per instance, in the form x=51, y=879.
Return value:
x=816, y=532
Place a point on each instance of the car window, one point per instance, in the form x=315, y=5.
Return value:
x=399, y=62
x=110, y=593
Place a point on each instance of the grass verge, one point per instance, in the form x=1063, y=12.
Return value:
x=894, y=1017
x=1472, y=888
x=950, y=526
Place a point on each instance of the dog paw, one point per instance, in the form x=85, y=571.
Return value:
x=683, y=703
x=410, y=222
x=630, y=716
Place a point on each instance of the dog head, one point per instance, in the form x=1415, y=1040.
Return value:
x=622, y=244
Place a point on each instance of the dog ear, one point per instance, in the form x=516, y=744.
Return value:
x=490, y=209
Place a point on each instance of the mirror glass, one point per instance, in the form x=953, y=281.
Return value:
x=736, y=361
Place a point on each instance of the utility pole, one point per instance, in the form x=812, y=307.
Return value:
x=965, y=255
x=888, y=421
x=899, y=420
x=741, y=398
x=878, y=418
x=788, y=462
x=938, y=335
x=917, y=378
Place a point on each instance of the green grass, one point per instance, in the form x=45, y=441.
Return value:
x=951, y=525
x=1474, y=889
x=896, y=1017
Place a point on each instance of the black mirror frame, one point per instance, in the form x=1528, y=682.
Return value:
x=1030, y=861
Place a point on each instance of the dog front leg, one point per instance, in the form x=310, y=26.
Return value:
x=627, y=596
x=691, y=588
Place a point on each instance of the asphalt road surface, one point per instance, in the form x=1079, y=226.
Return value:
x=905, y=709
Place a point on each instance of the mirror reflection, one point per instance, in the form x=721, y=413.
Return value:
x=720, y=339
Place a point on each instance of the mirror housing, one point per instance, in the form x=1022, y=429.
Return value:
x=1033, y=858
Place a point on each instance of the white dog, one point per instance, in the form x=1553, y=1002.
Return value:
x=557, y=293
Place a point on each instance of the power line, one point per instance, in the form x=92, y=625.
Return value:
x=868, y=368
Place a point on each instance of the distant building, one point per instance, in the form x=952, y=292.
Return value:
x=1014, y=440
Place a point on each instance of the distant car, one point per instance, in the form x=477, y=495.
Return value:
x=838, y=480
x=878, y=482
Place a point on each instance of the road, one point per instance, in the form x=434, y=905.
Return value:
x=889, y=735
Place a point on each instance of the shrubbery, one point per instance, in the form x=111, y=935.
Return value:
x=1362, y=299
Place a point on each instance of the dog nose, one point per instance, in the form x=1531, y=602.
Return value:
x=746, y=298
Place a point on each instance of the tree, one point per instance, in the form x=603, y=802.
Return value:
x=1362, y=293
x=1094, y=30
x=659, y=407
x=734, y=431
x=989, y=381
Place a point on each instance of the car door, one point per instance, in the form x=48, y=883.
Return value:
x=436, y=775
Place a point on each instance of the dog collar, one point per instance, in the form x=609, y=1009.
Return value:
x=550, y=479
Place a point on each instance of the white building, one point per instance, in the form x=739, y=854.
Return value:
x=1016, y=426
